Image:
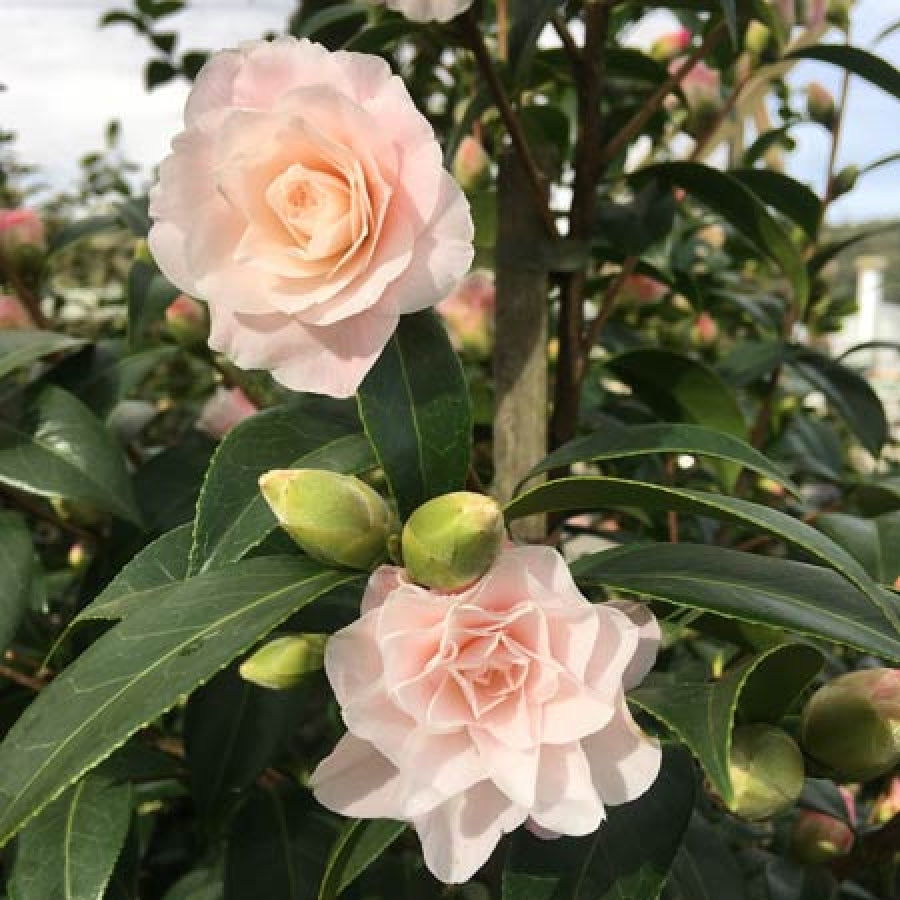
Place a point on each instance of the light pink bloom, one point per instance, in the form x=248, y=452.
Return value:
x=12, y=314
x=20, y=227
x=427, y=10
x=306, y=202
x=469, y=714
x=226, y=408
x=469, y=312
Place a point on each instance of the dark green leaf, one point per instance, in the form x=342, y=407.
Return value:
x=729, y=10
x=848, y=394
x=627, y=857
x=705, y=868
x=358, y=845
x=16, y=566
x=201, y=884
x=788, y=880
x=149, y=294
x=874, y=542
x=140, y=668
x=748, y=361
x=20, y=348
x=615, y=441
x=233, y=729
x=804, y=599
x=743, y=209
x=157, y=72
x=70, y=850
x=414, y=405
x=829, y=251
x=528, y=20
x=632, y=227
x=856, y=61
x=702, y=713
x=83, y=228
x=60, y=449
x=277, y=848
x=593, y=492
x=232, y=516
x=789, y=196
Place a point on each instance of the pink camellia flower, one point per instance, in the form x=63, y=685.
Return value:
x=469, y=714
x=306, y=202
x=226, y=408
x=20, y=228
x=427, y=10
x=469, y=312
x=12, y=314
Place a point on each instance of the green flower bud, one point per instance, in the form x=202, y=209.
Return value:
x=852, y=724
x=336, y=519
x=766, y=769
x=187, y=321
x=844, y=181
x=451, y=541
x=282, y=663
x=820, y=105
x=757, y=39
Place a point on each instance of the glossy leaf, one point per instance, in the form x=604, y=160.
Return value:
x=702, y=713
x=414, y=405
x=616, y=441
x=140, y=668
x=148, y=296
x=60, y=449
x=705, y=867
x=874, y=542
x=232, y=516
x=21, y=347
x=804, y=599
x=790, y=197
x=848, y=394
x=748, y=361
x=81, y=229
x=70, y=850
x=856, y=61
x=742, y=209
x=16, y=566
x=358, y=845
x=278, y=845
x=628, y=856
x=599, y=492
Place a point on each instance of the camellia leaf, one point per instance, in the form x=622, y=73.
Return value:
x=141, y=667
x=856, y=61
x=83, y=228
x=615, y=441
x=802, y=598
x=789, y=196
x=21, y=347
x=69, y=851
x=741, y=208
x=601, y=492
x=702, y=713
x=278, y=845
x=232, y=516
x=60, y=449
x=874, y=542
x=16, y=566
x=358, y=845
x=415, y=408
x=628, y=856
x=705, y=867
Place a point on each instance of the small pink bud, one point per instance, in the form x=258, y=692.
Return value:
x=13, y=314
x=187, y=321
x=705, y=330
x=225, y=409
x=469, y=313
x=471, y=162
x=671, y=45
x=642, y=289
x=818, y=837
x=20, y=228
x=820, y=105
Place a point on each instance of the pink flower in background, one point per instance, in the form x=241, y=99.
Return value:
x=13, y=314
x=643, y=289
x=469, y=714
x=306, y=202
x=427, y=10
x=226, y=408
x=671, y=44
x=469, y=312
x=20, y=228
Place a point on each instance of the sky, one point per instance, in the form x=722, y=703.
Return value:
x=65, y=79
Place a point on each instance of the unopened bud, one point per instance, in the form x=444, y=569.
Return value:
x=187, y=321
x=757, y=38
x=818, y=837
x=226, y=408
x=852, y=724
x=282, y=663
x=704, y=331
x=336, y=519
x=13, y=314
x=470, y=163
x=766, y=770
x=451, y=541
x=820, y=105
x=668, y=46
x=20, y=228
x=469, y=313
x=844, y=181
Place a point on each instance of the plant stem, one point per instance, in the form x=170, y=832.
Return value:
x=510, y=120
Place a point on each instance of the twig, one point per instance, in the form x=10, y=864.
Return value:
x=510, y=120
x=634, y=126
x=565, y=36
x=20, y=678
x=608, y=303
x=729, y=104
